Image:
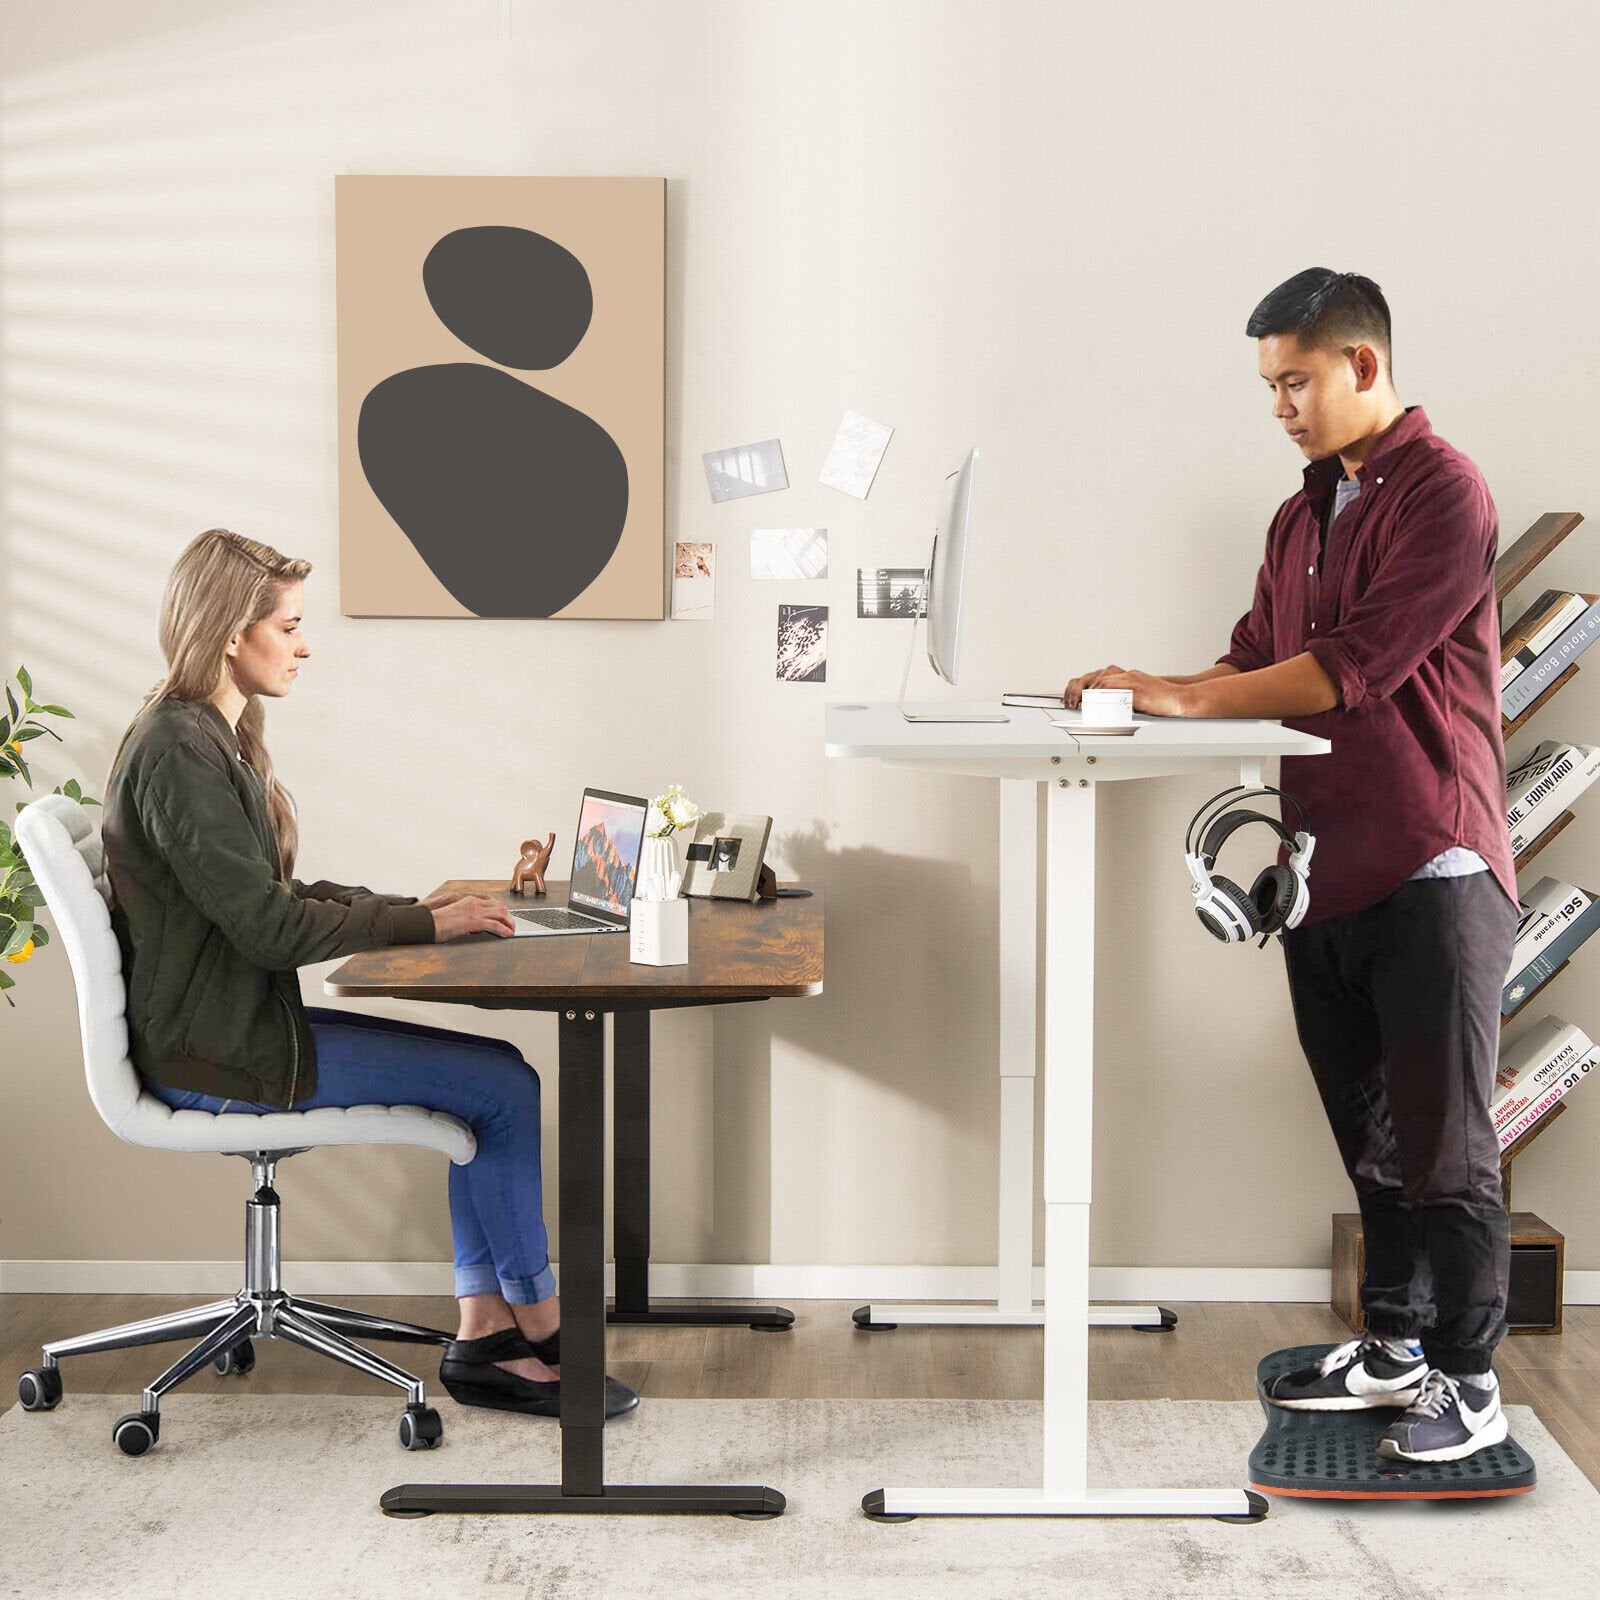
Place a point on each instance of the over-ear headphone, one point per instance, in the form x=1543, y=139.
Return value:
x=1280, y=896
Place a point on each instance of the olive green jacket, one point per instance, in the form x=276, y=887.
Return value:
x=211, y=931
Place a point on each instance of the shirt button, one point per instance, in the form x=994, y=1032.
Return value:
x=1311, y=572
x=1313, y=627
x=1380, y=480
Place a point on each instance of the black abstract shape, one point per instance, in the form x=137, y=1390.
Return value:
x=510, y=294
x=515, y=501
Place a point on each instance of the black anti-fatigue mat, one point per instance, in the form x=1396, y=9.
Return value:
x=1333, y=1454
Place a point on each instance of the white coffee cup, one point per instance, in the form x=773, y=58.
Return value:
x=1108, y=708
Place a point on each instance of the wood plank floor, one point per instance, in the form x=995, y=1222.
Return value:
x=1210, y=1355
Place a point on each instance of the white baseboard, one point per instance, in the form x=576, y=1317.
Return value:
x=674, y=1280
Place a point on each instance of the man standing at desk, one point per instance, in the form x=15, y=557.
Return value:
x=1374, y=625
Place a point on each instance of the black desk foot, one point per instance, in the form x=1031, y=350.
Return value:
x=765, y=1319
x=622, y=1499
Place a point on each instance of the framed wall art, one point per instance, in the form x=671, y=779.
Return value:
x=501, y=380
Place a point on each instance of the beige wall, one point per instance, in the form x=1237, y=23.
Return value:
x=1035, y=227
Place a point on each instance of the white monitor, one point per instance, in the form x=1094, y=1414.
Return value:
x=947, y=572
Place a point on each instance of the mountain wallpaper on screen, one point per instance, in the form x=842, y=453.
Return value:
x=599, y=872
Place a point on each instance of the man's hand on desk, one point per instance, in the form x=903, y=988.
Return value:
x=456, y=915
x=1298, y=687
x=1157, y=697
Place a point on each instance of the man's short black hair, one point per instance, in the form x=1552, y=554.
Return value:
x=1325, y=309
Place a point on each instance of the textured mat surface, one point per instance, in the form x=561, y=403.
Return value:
x=1333, y=1454
x=255, y=1495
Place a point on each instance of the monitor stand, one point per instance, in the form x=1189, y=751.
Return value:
x=937, y=713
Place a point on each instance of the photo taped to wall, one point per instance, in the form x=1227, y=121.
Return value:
x=803, y=644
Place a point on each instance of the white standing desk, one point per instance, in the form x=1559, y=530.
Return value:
x=1025, y=754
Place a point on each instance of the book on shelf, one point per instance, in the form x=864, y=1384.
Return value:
x=1557, y=1091
x=1560, y=949
x=1543, y=912
x=1548, y=1054
x=1533, y=680
x=1543, y=784
x=1538, y=628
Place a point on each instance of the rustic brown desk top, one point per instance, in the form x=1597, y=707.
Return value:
x=736, y=952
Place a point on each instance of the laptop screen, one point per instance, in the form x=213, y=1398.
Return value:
x=605, y=858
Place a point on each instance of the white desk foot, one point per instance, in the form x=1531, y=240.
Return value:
x=892, y=1505
x=880, y=1318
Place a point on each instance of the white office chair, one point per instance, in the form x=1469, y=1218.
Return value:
x=67, y=861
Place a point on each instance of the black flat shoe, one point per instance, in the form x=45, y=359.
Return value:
x=494, y=1347
x=471, y=1378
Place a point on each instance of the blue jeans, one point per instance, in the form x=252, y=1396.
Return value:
x=497, y=1199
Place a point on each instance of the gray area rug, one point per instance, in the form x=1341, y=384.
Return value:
x=253, y=1496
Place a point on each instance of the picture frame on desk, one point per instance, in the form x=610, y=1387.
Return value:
x=726, y=856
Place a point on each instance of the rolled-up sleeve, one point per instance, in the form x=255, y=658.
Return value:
x=1425, y=585
x=1250, y=647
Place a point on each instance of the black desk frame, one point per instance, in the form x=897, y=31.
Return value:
x=583, y=1488
x=630, y=1197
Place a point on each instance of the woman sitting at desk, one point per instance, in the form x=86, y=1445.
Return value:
x=200, y=842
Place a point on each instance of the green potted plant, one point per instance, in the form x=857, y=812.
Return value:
x=20, y=935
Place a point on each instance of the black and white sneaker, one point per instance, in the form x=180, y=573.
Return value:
x=1451, y=1418
x=1353, y=1377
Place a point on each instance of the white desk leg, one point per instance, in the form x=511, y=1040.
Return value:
x=1019, y=982
x=1068, y=1149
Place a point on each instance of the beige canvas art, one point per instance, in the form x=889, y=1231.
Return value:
x=501, y=376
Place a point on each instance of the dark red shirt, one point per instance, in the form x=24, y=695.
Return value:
x=1399, y=611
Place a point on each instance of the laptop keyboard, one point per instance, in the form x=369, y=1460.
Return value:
x=558, y=919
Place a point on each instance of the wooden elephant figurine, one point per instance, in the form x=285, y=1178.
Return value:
x=530, y=869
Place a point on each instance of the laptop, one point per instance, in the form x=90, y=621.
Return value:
x=605, y=867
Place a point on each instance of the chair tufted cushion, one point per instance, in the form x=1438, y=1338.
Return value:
x=68, y=862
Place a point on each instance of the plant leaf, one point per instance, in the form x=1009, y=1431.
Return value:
x=11, y=702
x=24, y=680
x=71, y=790
x=40, y=937
x=22, y=767
x=20, y=935
x=56, y=711
x=22, y=735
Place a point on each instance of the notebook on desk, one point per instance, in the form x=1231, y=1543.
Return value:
x=605, y=869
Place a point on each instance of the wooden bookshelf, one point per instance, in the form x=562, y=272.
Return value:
x=1538, y=1259
x=1543, y=839
x=1533, y=995
x=1518, y=1145
x=1545, y=534
x=1534, y=705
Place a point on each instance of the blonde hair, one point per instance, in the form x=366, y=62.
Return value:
x=220, y=585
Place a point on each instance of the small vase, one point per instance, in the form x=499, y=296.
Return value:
x=660, y=858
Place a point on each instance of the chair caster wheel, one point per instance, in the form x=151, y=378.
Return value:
x=862, y=1317
x=39, y=1389
x=239, y=1360
x=136, y=1432
x=420, y=1428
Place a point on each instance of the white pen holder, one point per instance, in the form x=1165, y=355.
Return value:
x=658, y=933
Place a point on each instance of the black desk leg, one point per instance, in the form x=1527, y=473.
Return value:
x=583, y=1337
x=630, y=1199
